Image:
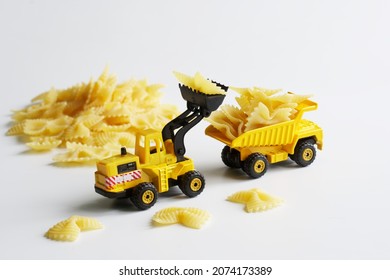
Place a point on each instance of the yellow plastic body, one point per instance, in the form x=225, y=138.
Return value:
x=150, y=163
x=276, y=141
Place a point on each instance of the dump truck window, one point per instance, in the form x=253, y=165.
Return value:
x=127, y=167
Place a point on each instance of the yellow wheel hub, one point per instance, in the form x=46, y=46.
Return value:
x=259, y=166
x=196, y=184
x=307, y=154
x=147, y=197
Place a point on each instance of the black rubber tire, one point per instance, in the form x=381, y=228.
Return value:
x=292, y=157
x=144, y=196
x=255, y=165
x=230, y=157
x=192, y=183
x=304, y=154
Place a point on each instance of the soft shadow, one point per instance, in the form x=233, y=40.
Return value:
x=216, y=173
x=103, y=205
x=34, y=152
x=284, y=164
x=73, y=164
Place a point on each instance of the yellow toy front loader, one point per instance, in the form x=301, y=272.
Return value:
x=158, y=162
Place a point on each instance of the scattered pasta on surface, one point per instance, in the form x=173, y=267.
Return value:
x=190, y=217
x=255, y=200
x=199, y=83
x=68, y=230
x=91, y=120
x=258, y=107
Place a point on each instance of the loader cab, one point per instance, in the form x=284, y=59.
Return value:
x=150, y=149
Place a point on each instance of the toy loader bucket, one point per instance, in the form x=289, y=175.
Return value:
x=207, y=103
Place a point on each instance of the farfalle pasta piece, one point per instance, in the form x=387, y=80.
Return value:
x=199, y=83
x=190, y=217
x=194, y=217
x=168, y=216
x=77, y=152
x=44, y=143
x=221, y=122
x=255, y=200
x=123, y=139
x=261, y=116
x=69, y=230
x=229, y=120
x=87, y=223
x=35, y=126
x=16, y=129
x=77, y=131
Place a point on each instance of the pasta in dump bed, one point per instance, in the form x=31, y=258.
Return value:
x=187, y=216
x=98, y=115
x=255, y=200
x=68, y=230
x=258, y=107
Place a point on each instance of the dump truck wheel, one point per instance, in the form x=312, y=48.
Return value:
x=255, y=165
x=144, y=196
x=192, y=183
x=231, y=157
x=305, y=153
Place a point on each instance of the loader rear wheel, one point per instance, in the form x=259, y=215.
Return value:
x=255, y=165
x=144, y=196
x=304, y=154
x=231, y=157
x=192, y=183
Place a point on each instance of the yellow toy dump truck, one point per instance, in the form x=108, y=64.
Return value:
x=159, y=161
x=255, y=149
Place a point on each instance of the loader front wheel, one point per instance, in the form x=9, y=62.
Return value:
x=144, y=196
x=192, y=183
x=255, y=165
x=304, y=154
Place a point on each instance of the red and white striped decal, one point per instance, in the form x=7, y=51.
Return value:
x=122, y=178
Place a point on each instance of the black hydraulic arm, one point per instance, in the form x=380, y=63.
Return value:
x=199, y=105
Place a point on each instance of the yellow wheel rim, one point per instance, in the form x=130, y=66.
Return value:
x=196, y=184
x=148, y=197
x=259, y=166
x=307, y=154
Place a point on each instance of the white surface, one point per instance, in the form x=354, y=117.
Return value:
x=337, y=208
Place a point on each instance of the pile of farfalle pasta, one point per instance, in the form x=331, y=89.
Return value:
x=257, y=107
x=92, y=120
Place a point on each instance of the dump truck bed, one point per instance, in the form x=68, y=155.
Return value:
x=271, y=135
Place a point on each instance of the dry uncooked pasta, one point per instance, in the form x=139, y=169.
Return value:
x=199, y=83
x=68, y=230
x=255, y=200
x=190, y=217
x=92, y=120
x=258, y=107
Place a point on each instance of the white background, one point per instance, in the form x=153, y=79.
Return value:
x=337, y=208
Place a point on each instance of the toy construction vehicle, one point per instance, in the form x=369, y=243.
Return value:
x=255, y=149
x=159, y=161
